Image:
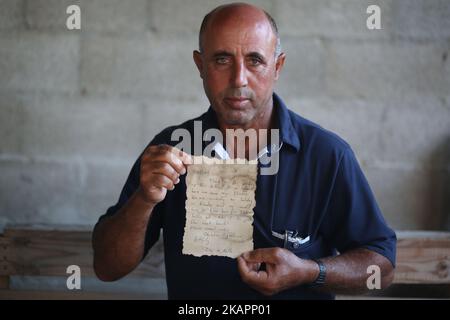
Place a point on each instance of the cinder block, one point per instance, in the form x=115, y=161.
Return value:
x=140, y=67
x=12, y=128
x=304, y=70
x=37, y=61
x=358, y=122
x=72, y=127
x=412, y=132
x=421, y=19
x=101, y=188
x=115, y=16
x=416, y=131
x=411, y=199
x=11, y=14
x=162, y=113
x=185, y=16
x=49, y=14
x=330, y=19
x=66, y=126
x=96, y=15
x=38, y=192
x=385, y=69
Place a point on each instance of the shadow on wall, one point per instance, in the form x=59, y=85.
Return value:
x=438, y=191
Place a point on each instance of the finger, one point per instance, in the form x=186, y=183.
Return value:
x=183, y=156
x=268, y=255
x=253, y=278
x=161, y=181
x=161, y=155
x=255, y=266
x=243, y=268
x=167, y=170
x=161, y=148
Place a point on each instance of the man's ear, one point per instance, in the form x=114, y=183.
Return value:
x=198, y=62
x=279, y=65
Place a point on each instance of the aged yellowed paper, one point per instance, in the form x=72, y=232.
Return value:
x=219, y=207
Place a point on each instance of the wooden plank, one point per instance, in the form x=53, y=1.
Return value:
x=423, y=260
x=50, y=252
x=4, y=282
x=74, y=295
x=6, y=267
x=422, y=257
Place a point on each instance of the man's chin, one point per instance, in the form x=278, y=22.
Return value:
x=236, y=118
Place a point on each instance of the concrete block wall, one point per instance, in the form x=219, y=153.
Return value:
x=77, y=107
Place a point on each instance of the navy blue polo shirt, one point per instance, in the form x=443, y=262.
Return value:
x=319, y=191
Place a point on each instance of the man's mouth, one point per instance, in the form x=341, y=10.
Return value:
x=237, y=102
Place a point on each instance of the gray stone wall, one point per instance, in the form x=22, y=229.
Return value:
x=77, y=107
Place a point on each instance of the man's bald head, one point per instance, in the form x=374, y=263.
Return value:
x=235, y=9
x=239, y=62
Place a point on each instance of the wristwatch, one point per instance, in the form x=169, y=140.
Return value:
x=320, y=280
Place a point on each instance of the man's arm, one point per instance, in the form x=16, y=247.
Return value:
x=346, y=273
x=119, y=240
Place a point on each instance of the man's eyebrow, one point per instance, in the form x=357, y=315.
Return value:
x=253, y=54
x=256, y=55
x=222, y=53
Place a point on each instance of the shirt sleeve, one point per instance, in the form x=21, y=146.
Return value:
x=353, y=218
x=156, y=219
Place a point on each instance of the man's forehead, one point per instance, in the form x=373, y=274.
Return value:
x=246, y=35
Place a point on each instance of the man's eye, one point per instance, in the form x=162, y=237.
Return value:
x=255, y=61
x=221, y=60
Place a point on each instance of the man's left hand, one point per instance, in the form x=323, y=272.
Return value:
x=283, y=270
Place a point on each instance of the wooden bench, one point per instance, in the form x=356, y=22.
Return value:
x=48, y=251
x=423, y=258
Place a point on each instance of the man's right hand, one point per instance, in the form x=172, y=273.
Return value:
x=161, y=167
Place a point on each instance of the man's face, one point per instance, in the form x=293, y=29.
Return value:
x=239, y=69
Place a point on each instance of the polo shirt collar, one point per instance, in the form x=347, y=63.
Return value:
x=288, y=133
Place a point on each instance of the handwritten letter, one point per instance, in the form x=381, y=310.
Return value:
x=219, y=208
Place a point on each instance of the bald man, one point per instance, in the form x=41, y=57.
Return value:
x=317, y=204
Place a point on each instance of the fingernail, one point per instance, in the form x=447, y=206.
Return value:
x=178, y=180
x=183, y=171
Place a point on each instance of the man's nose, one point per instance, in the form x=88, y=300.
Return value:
x=239, y=77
